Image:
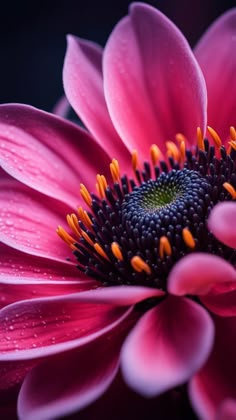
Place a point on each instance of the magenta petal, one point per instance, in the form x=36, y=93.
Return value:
x=18, y=266
x=14, y=291
x=28, y=221
x=153, y=85
x=227, y=410
x=71, y=381
x=25, y=276
x=222, y=223
x=221, y=300
x=39, y=327
x=55, y=324
x=48, y=153
x=167, y=346
x=216, y=55
x=62, y=107
x=216, y=381
x=13, y=373
x=197, y=273
x=83, y=83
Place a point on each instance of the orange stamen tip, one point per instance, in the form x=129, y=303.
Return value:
x=232, y=133
x=116, y=251
x=84, y=217
x=165, y=246
x=232, y=144
x=182, y=149
x=87, y=238
x=115, y=170
x=188, y=238
x=100, y=251
x=215, y=136
x=140, y=265
x=134, y=160
x=85, y=195
x=172, y=150
x=155, y=154
x=101, y=185
x=230, y=189
x=69, y=240
x=180, y=137
x=200, y=140
x=116, y=164
x=73, y=224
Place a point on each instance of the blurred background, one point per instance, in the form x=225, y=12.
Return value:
x=33, y=45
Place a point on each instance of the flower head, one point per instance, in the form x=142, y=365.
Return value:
x=144, y=280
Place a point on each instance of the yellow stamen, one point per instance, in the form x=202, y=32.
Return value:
x=115, y=170
x=155, y=154
x=85, y=195
x=172, y=150
x=188, y=238
x=200, y=140
x=66, y=237
x=115, y=247
x=230, y=189
x=232, y=132
x=100, y=251
x=84, y=217
x=215, y=136
x=73, y=223
x=139, y=265
x=164, y=247
x=134, y=160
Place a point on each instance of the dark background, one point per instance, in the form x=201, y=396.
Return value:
x=32, y=38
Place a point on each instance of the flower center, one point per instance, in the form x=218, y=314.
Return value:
x=137, y=229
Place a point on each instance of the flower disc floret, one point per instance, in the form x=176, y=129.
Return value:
x=138, y=228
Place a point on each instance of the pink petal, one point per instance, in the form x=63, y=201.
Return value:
x=62, y=107
x=48, y=153
x=215, y=54
x=36, y=328
x=167, y=346
x=227, y=410
x=12, y=373
x=86, y=375
x=197, y=273
x=216, y=381
x=14, y=291
x=222, y=223
x=221, y=300
x=153, y=85
x=18, y=266
x=83, y=83
x=28, y=221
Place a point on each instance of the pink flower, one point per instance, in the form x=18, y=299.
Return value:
x=147, y=303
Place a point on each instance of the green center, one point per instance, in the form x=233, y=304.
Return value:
x=160, y=196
